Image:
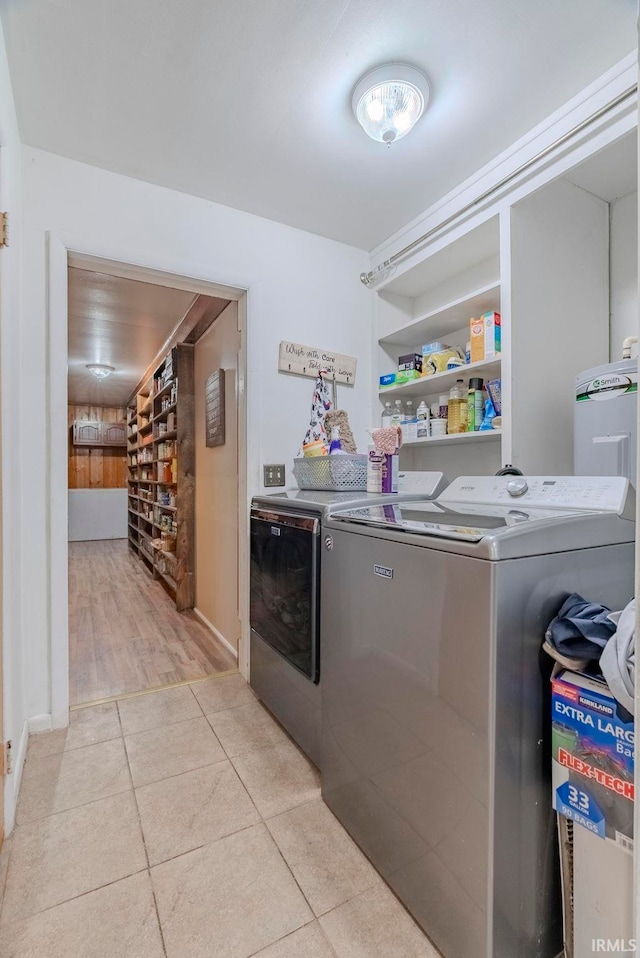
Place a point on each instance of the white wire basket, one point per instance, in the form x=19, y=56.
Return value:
x=332, y=473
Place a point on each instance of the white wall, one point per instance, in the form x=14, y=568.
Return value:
x=217, y=483
x=14, y=700
x=301, y=287
x=623, y=271
x=97, y=514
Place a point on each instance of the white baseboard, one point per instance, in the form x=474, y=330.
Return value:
x=217, y=634
x=12, y=782
x=40, y=723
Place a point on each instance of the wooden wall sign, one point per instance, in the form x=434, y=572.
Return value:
x=310, y=360
x=214, y=408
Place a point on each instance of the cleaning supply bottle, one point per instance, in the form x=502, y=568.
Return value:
x=375, y=462
x=409, y=423
x=336, y=445
x=443, y=407
x=422, y=424
x=387, y=415
x=397, y=416
x=475, y=405
x=457, y=414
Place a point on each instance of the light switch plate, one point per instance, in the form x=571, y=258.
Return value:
x=273, y=475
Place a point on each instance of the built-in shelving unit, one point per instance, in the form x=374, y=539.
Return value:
x=434, y=300
x=443, y=320
x=490, y=435
x=487, y=369
x=161, y=465
x=543, y=264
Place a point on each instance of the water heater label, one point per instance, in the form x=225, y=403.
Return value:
x=607, y=387
x=384, y=571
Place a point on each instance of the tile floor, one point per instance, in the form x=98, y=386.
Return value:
x=185, y=823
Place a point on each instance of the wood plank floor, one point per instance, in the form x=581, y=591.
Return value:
x=124, y=632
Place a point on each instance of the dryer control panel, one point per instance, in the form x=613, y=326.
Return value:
x=591, y=493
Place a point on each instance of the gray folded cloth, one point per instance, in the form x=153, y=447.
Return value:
x=581, y=629
x=618, y=658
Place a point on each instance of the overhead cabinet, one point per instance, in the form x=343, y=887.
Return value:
x=89, y=433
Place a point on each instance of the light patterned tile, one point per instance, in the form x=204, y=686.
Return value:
x=375, y=925
x=181, y=813
x=172, y=750
x=227, y=692
x=157, y=709
x=56, y=782
x=5, y=851
x=278, y=778
x=233, y=897
x=88, y=726
x=245, y=729
x=42, y=744
x=326, y=863
x=308, y=942
x=117, y=921
x=65, y=855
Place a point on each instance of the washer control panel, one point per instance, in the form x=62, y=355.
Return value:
x=594, y=493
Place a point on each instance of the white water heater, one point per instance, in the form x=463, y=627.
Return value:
x=605, y=422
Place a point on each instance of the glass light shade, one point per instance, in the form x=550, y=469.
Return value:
x=100, y=370
x=389, y=101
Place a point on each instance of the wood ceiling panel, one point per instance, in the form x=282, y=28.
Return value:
x=120, y=322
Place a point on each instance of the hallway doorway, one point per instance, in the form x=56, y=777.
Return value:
x=140, y=616
x=125, y=634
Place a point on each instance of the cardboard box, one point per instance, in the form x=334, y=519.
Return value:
x=410, y=361
x=593, y=742
x=436, y=347
x=407, y=376
x=485, y=336
x=388, y=380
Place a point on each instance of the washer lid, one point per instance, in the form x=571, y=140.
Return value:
x=470, y=523
x=412, y=485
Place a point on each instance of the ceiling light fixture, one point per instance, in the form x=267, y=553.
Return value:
x=100, y=370
x=389, y=101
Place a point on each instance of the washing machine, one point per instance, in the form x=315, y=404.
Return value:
x=285, y=576
x=435, y=710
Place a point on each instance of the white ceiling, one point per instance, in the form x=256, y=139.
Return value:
x=247, y=102
x=121, y=322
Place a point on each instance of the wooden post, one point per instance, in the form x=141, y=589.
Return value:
x=186, y=445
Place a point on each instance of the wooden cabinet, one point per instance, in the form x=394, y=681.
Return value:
x=114, y=434
x=86, y=433
x=89, y=433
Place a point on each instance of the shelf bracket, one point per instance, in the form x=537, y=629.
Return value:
x=4, y=230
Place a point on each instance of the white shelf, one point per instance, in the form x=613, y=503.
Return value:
x=486, y=436
x=451, y=260
x=430, y=385
x=444, y=320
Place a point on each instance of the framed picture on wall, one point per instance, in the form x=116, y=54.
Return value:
x=214, y=409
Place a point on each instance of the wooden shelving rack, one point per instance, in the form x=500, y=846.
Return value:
x=161, y=481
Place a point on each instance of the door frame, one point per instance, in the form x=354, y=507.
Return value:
x=61, y=252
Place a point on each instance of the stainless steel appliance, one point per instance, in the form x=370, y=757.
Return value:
x=285, y=598
x=434, y=707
